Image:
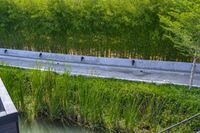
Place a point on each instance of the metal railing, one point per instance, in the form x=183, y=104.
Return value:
x=182, y=122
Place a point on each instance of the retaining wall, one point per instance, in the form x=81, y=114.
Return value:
x=134, y=63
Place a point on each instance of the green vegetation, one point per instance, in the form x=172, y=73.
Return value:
x=110, y=28
x=182, y=21
x=103, y=104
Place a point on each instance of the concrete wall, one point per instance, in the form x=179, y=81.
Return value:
x=1, y=107
x=8, y=113
x=9, y=128
x=134, y=63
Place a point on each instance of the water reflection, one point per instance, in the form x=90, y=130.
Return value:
x=42, y=127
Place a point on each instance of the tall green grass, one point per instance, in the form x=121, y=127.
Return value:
x=109, y=28
x=103, y=104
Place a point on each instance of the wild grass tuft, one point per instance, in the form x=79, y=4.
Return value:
x=103, y=104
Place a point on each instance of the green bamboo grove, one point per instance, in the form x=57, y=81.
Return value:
x=109, y=28
x=101, y=104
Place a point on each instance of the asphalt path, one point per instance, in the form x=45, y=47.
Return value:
x=116, y=72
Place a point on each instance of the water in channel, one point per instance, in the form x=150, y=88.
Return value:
x=42, y=127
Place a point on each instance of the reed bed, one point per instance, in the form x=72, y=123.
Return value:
x=107, y=105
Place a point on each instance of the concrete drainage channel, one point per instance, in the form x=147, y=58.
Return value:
x=126, y=69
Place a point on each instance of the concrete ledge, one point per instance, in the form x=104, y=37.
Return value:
x=6, y=102
x=8, y=112
x=133, y=63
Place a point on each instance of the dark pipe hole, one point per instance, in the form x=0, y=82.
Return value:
x=82, y=58
x=5, y=51
x=133, y=62
x=40, y=55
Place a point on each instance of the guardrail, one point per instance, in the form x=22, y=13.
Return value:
x=134, y=63
x=178, y=124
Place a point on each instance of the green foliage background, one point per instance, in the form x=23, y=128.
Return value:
x=182, y=23
x=103, y=104
x=111, y=28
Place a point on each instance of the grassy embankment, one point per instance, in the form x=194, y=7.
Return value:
x=103, y=104
x=129, y=28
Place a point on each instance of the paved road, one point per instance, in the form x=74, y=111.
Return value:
x=125, y=73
